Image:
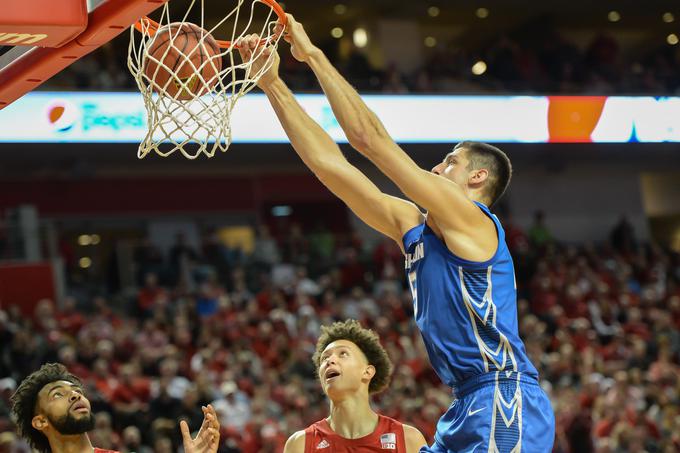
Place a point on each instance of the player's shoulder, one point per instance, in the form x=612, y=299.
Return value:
x=296, y=442
x=389, y=420
x=413, y=437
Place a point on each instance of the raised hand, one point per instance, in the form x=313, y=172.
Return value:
x=208, y=438
x=300, y=45
x=250, y=48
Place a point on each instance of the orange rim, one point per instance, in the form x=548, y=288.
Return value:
x=151, y=26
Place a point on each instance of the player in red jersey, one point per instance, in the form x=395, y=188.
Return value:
x=352, y=365
x=52, y=413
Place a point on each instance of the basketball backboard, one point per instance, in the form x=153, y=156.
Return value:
x=24, y=68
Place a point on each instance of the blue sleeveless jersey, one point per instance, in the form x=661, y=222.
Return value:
x=466, y=311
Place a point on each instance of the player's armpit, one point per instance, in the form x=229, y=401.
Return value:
x=295, y=443
x=414, y=439
x=389, y=215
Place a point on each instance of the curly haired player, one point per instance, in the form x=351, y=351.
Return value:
x=52, y=413
x=352, y=365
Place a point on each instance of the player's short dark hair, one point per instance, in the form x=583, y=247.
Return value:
x=367, y=341
x=25, y=401
x=483, y=155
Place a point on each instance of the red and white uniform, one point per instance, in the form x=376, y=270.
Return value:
x=388, y=437
x=99, y=450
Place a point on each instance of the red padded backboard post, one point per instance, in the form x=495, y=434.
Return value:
x=44, y=23
x=39, y=64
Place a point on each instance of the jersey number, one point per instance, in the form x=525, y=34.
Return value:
x=414, y=292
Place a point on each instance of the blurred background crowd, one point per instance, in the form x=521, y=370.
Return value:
x=159, y=313
x=456, y=48
x=216, y=325
x=528, y=62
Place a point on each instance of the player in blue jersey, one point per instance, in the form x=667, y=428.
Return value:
x=458, y=265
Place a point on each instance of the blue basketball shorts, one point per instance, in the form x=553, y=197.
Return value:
x=504, y=412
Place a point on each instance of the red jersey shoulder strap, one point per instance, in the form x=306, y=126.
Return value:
x=392, y=434
x=314, y=434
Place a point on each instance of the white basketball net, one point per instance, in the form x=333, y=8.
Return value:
x=201, y=124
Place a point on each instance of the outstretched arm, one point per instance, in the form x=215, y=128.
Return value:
x=367, y=134
x=389, y=215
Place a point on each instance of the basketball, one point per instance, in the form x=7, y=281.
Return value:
x=183, y=61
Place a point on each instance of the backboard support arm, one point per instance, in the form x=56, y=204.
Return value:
x=33, y=67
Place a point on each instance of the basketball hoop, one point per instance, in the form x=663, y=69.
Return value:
x=192, y=115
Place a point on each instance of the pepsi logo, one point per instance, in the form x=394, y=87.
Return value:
x=61, y=115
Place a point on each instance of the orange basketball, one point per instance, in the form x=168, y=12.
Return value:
x=183, y=61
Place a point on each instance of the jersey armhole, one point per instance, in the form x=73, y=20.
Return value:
x=412, y=235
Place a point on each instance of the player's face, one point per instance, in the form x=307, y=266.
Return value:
x=62, y=406
x=343, y=368
x=454, y=167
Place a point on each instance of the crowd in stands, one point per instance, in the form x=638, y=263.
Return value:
x=535, y=59
x=601, y=323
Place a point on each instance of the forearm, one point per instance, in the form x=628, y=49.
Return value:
x=360, y=124
x=314, y=146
